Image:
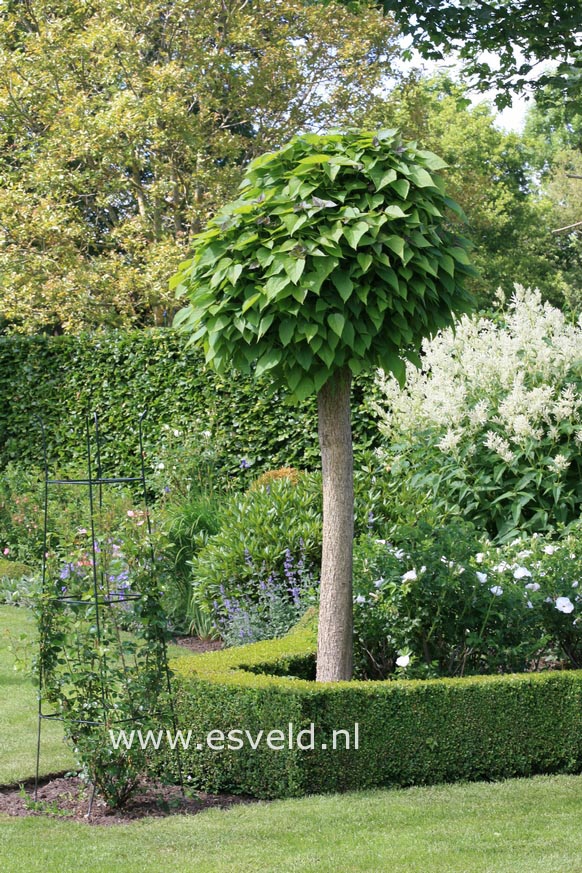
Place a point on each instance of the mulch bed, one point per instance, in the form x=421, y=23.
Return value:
x=68, y=798
x=194, y=644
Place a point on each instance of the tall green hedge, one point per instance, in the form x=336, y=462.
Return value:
x=119, y=374
x=410, y=732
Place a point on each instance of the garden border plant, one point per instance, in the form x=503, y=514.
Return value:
x=411, y=732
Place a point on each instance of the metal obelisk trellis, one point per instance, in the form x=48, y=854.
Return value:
x=95, y=482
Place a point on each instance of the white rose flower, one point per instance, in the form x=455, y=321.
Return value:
x=521, y=573
x=549, y=550
x=403, y=660
x=564, y=604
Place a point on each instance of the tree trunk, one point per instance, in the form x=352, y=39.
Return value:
x=335, y=644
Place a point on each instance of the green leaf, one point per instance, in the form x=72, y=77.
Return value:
x=320, y=378
x=382, y=177
x=355, y=232
x=315, y=159
x=293, y=222
x=327, y=355
x=448, y=264
x=294, y=269
x=421, y=178
x=343, y=283
x=269, y=360
x=265, y=324
x=250, y=302
x=325, y=266
x=364, y=260
x=432, y=161
x=336, y=321
x=402, y=187
x=304, y=388
x=349, y=334
x=286, y=331
x=391, y=362
x=460, y=255
x=275, y=285
x=304, y=355
x=234, y=273
x=395, y=244
x=394, y=211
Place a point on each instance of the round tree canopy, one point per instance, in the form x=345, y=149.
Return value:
x=337, y=254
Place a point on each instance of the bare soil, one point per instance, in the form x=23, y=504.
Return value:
x=67, y=798
x=198, y=646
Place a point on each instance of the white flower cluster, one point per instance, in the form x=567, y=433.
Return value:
x=519, y=572
x=501, y=386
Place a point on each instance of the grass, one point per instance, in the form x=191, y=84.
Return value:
x=519, y=826
x=19, y=707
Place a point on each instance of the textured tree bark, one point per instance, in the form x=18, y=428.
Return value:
x=335, y=644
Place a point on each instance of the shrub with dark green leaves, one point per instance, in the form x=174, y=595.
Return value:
x=119, y=374
x=260, y=531
x=269, y=536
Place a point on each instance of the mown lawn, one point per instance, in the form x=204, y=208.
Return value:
x=19, y=707
x=518, y=826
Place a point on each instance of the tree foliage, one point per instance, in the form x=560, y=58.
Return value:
x=124, y=126
x=520, y=34
x=494, y=176
x=336, y=255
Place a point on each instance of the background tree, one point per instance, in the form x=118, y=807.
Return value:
x=337, y=257
x=521, y=35
x=555, y=132
x=125, y=125
x=494, y=176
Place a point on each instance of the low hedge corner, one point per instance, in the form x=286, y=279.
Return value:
x=408, y=732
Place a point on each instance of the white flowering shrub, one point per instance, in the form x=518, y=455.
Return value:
x=548, y=574
x=492, y=424
x=421, y=610
x=442, y=601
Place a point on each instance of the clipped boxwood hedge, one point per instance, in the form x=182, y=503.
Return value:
x=410, y=732
x=119, y=374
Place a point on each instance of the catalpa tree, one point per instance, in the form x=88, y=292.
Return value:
x=336, y=257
